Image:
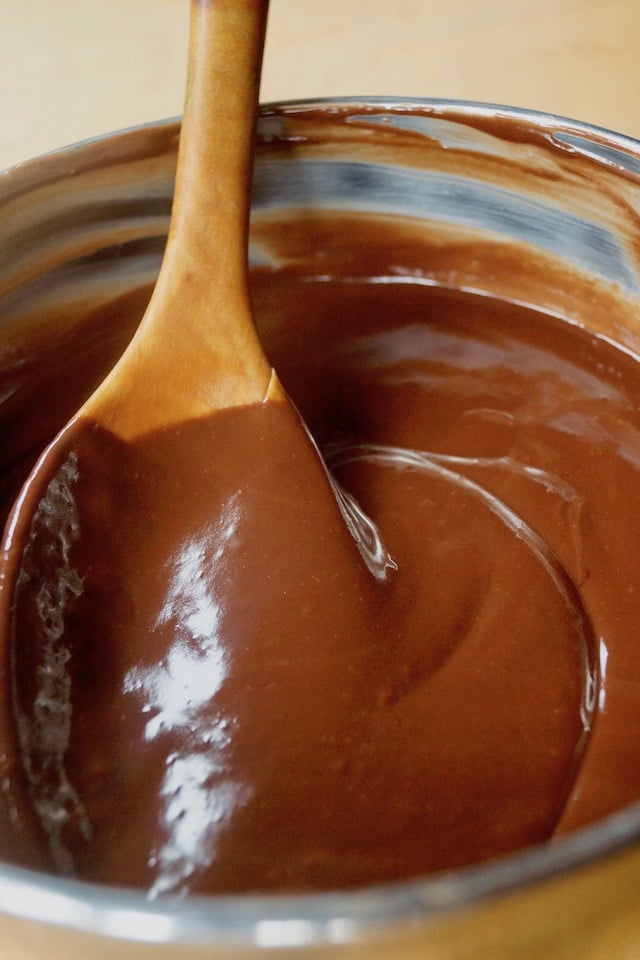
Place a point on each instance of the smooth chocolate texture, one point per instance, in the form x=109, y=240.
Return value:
x=256, y=711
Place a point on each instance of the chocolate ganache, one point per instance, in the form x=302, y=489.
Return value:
x=306, y=715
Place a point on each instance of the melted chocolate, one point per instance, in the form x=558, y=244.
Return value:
x=259, y=711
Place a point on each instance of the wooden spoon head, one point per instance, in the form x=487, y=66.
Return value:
x=153, y=581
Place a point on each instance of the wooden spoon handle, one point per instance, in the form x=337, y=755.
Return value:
x=214, y=175
x=210, y=347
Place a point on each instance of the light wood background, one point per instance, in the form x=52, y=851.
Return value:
x=70, y=69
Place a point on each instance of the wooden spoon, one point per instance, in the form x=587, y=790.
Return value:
x=196, y=349
x=127, y=487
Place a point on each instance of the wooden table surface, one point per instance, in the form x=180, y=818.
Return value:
x=70, y=69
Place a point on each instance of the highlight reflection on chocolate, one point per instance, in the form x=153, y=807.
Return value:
x=296, y=722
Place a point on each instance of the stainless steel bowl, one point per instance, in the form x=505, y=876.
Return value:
x=82, y=227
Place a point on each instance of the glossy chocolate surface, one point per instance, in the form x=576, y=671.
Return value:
x=262, y=712
x=262, y=709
